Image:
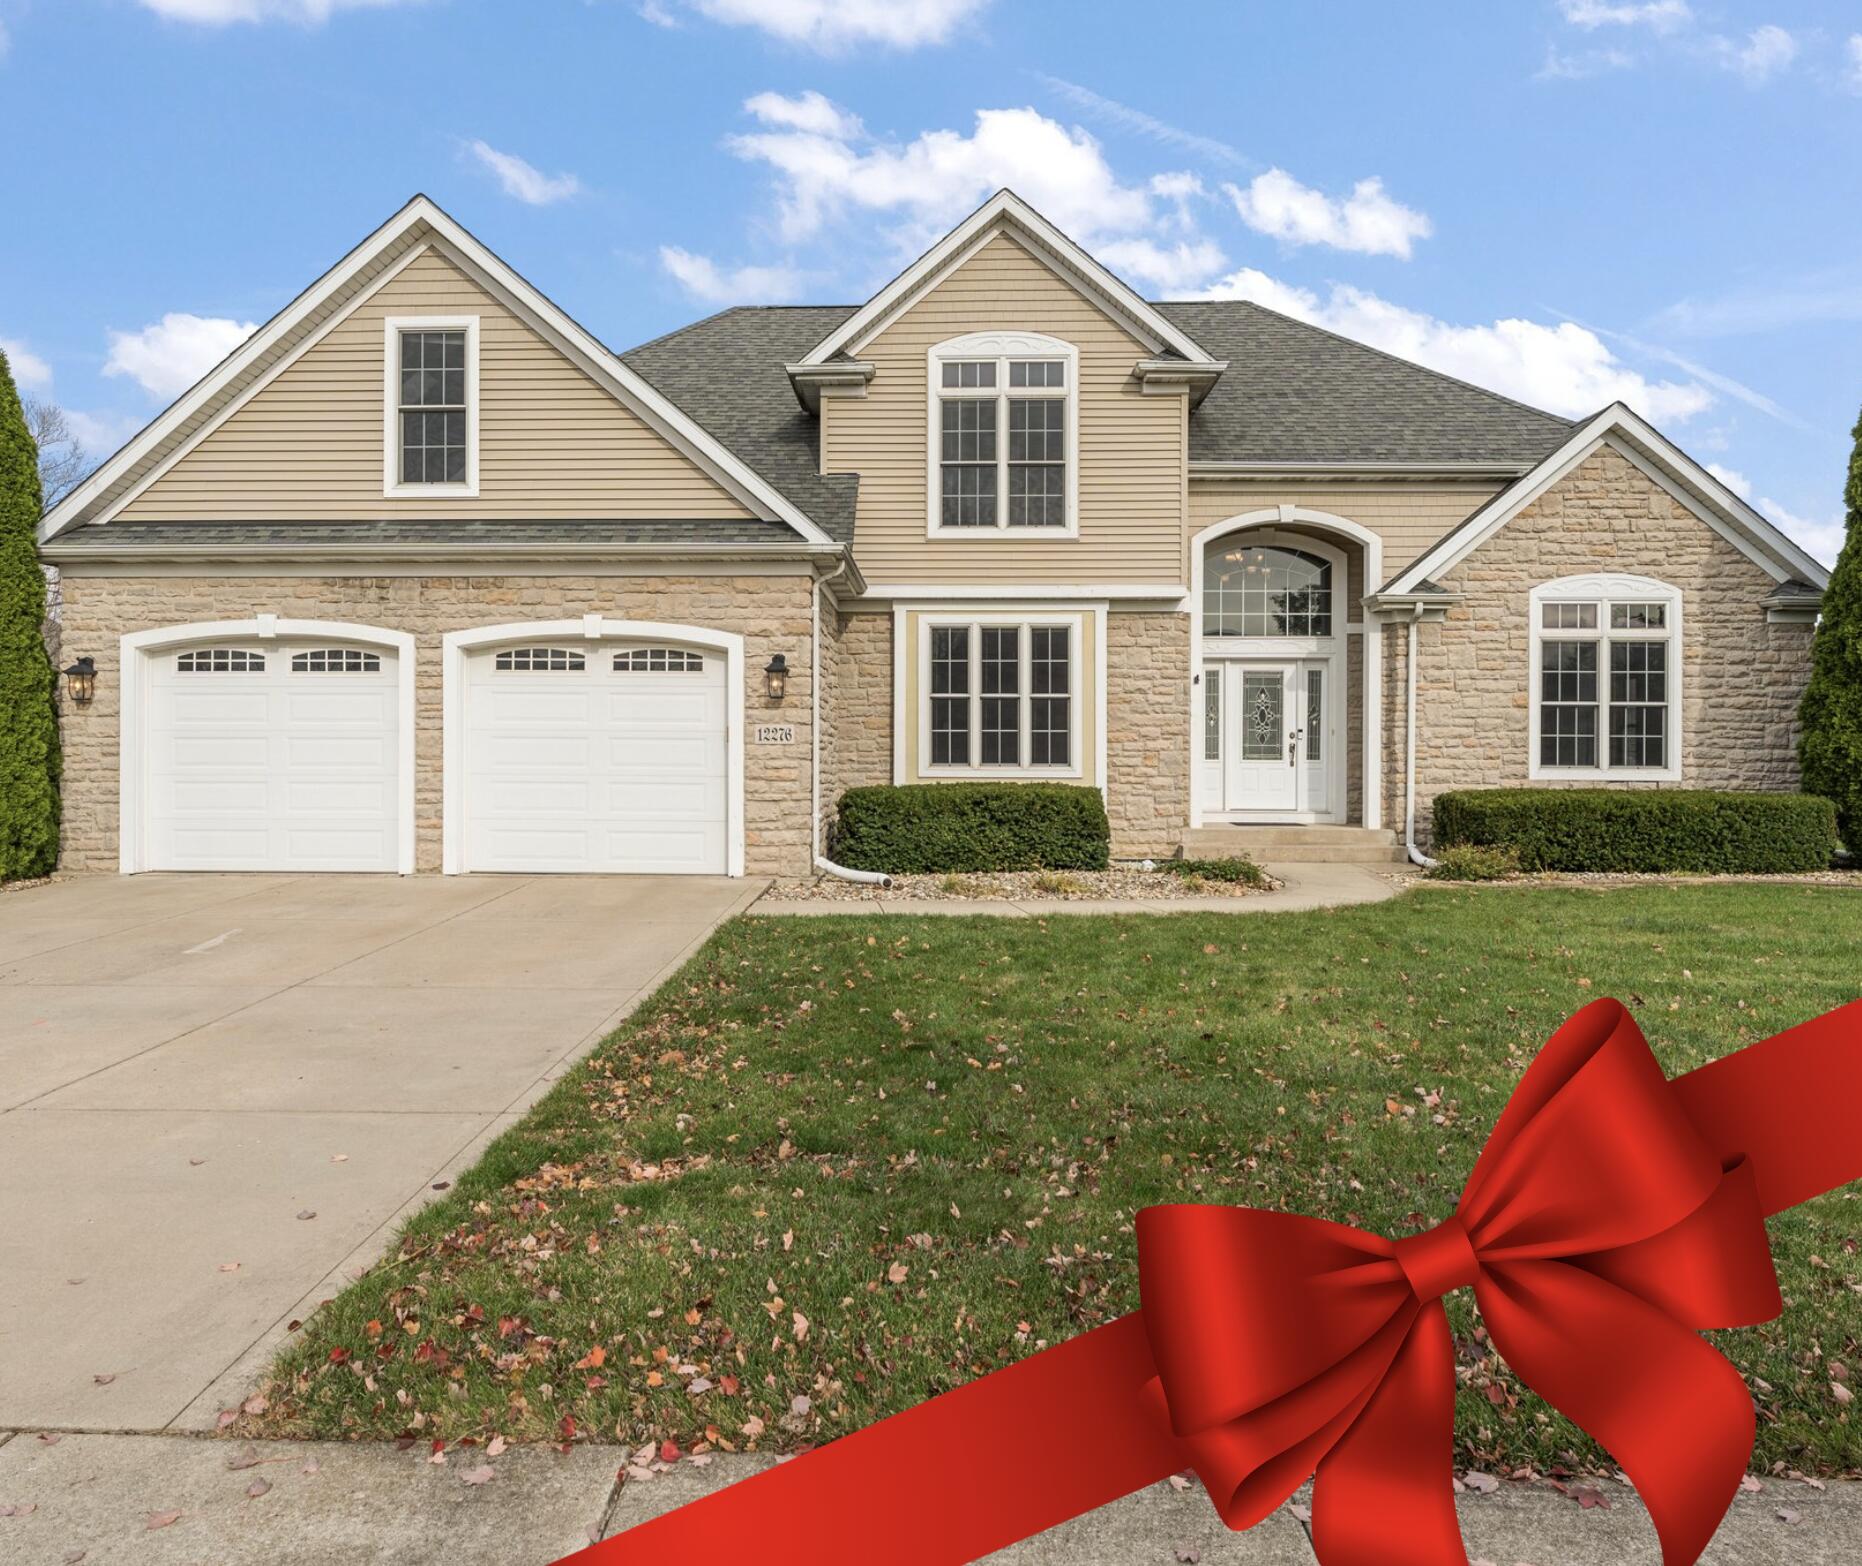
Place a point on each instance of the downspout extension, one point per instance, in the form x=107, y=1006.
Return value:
x=1416, y=855
x=821, y=861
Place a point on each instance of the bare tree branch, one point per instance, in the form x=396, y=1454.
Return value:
x=63, y=460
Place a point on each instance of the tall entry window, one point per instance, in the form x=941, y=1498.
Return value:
x=1265, y=590
x=1002, y=435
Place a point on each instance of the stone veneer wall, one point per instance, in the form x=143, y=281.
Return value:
x=1741, y=675
x=856, y=731
x=1147, y=732
x=770, y=612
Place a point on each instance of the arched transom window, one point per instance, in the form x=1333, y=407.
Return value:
x=1253, y=589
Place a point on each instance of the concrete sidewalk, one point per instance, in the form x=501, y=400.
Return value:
x=106, y=1499
x=219, y=1094
x=1305, y=886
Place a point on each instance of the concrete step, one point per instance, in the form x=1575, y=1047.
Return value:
x=1295, y=844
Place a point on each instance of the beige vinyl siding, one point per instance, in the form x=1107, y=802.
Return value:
x=1131, y=457
x=553, y=443
x=1408, y=516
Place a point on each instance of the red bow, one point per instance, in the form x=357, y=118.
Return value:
x=1599, y=1232
x=1611, y=1216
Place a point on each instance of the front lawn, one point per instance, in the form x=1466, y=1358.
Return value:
x=839, y=1165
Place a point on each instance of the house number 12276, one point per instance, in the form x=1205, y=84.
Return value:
x=775, y=734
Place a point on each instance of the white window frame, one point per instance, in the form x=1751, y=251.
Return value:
x=392, y=328
x=1603, y=590
x=975, y=621
x=1004, y=348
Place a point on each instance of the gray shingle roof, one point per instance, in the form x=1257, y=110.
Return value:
x=677, y=533
x=1292, y=393
x=1298, y=393
x=726, y=373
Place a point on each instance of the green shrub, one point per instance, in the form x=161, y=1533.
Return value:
x=934, y=828
x=1237, y=872
x=1474, y=862
x=28, y=706
x=1830, y=752
x=1653, y=830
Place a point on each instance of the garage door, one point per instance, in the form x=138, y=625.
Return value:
x=596, y=756
x=273, y=756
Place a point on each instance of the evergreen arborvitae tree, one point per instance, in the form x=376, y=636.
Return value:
x=28, y=684
x=1830, y=753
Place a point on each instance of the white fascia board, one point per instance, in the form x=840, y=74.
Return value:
x=1217, y=468
x=1710, y=500
x=71, y=508
x=1074, y=264
x=515, y=292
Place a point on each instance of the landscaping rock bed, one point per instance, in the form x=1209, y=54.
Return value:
x=1020, y=886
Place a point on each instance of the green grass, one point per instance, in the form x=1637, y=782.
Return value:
x=861, y=1160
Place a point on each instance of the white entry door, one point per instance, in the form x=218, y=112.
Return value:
x=1266, y=739
x=596, y=757
x=272, y=755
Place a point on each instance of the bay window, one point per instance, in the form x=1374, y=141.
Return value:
x=1606, y=677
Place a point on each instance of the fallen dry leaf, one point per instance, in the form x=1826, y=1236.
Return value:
x=72, y=1557
x=897, y=1272
x=104, y=1379
x=1842, y=1394
x=48, y=1438
x=153, y=1520
x=229, y=1266
x=306, y=1215
x=495, y=1446
x=1751, y=1485
x=483, y=1474
x=257, y=1488
x=1480, y=1483
x=1787, y=1515
x=1187, y=1553
x=245, y=1457
x=19, y=1509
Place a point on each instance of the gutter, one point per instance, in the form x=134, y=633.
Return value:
x=275, y=550
x=1416, y=855
x=1218, y=468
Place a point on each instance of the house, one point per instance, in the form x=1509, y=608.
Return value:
x=423, y=577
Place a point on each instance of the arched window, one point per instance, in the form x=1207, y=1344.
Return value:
x=1252, y=589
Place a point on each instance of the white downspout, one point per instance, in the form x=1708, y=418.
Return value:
x=1416, y=855
x=821, y=861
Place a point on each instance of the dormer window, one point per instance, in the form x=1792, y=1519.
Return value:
x=431, y=399
x=1002, y=435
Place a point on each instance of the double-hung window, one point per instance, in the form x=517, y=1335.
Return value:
x=1606, y=679
x=999, y=696
x=431, y=398
x=1002, y=435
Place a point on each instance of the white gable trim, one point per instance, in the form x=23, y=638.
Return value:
x=1045, y=242
x=1666, y=464
x=498, y=279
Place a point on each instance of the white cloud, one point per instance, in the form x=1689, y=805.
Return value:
x=932, y=181
x=1185, y=265
x=221, y=13
x=29, y=370
x=812, y=113
x=172, y=354
x=705, y=280
x=1582, y=64
x=1767, y=51
x=101, y=433
x=519, y=179
x=1733, y=479
x=835, y=26
x=1662, y=15
x=1821, y=537
x=1566, y=369
x=1367, y=221
x=1855, y=61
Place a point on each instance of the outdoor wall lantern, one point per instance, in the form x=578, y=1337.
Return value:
x=81, y=681
x=776, y=677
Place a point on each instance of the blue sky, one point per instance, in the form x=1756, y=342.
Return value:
x=1568, y=200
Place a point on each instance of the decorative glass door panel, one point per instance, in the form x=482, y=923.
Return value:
x=1267, y=745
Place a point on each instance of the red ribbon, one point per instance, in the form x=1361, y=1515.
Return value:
x=1612, y=1215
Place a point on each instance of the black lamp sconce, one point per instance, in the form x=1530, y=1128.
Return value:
x=776, y=677
x=81, y=681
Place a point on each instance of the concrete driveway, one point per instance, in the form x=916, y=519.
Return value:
x=218, y=1093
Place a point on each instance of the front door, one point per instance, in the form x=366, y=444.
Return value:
x=1266, y=745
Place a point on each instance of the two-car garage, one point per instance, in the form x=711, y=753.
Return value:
x=593, y=746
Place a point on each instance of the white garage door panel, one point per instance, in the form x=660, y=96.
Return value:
x=255, y=765
x=595, y=769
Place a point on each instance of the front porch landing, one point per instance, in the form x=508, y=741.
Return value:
x=1295, y=844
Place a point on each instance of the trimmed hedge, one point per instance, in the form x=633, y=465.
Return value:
x=1657, y=830
x=934, y=828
